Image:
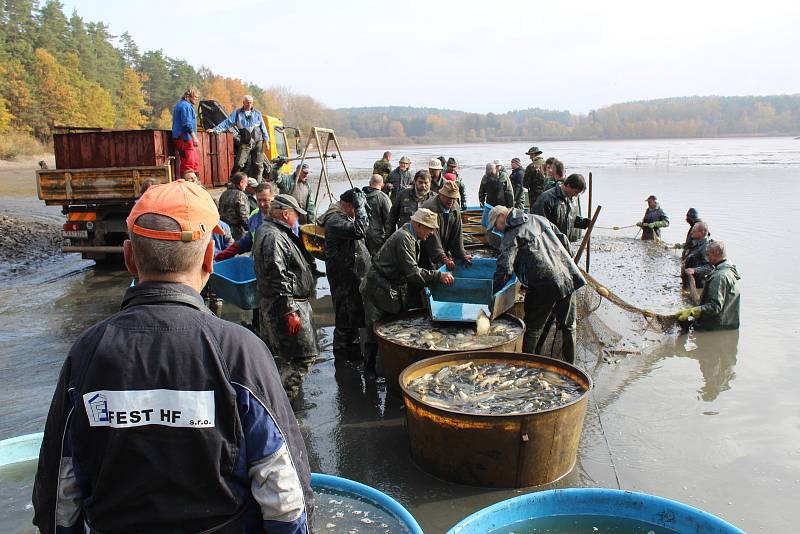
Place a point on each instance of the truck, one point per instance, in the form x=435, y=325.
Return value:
x=100, y=172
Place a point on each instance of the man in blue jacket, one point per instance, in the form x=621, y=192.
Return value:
x=184, y=131
x=166, y=418
x=251, y=133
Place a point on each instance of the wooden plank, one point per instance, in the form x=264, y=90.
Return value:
x=117, y=183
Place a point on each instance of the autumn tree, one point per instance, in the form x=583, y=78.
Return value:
x=131, y=107
x=58, y=99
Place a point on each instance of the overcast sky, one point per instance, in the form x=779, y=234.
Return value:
x=476, y=56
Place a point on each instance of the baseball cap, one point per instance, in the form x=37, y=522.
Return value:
x=287, y=202
x=186, y=203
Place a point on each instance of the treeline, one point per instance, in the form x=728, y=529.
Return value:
x=708, y=116
x=59, y=70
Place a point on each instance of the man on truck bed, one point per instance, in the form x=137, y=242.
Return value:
x=166, y=418
x=184, y=131
x=252, y=134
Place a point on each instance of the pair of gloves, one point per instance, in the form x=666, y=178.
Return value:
x=684, y=315
x=652, y=225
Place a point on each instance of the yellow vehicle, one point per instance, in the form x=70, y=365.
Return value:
x=213, y=113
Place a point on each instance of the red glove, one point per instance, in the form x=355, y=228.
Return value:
x=229, y=252
x=293, y=323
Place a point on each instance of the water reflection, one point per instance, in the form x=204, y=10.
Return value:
x=715, y=352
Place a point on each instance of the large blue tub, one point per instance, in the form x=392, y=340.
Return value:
x=234, y=281
x=369, y=494
x=597, y=502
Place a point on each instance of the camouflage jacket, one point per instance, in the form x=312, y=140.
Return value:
x=403, y=207
x=496, y=190
x=448, y=239
x=719, y=303
x=436, y=185
x=382, y=167
x=379, y=207
x=234, y=209
x=537, y=252
x=534, y=179
x=283, y=273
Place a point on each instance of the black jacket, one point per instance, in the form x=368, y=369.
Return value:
x=168, y=419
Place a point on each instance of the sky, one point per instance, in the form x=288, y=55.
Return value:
x=495, y=55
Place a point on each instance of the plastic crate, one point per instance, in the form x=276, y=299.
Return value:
x=234, y=281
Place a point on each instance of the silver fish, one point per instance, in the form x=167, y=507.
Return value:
x=494, y=388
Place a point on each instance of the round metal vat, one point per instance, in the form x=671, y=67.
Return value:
x=313, y=237
x=498, y=451
x=395, y=357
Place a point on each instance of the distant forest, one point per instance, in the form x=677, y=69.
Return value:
x=699, y=116
x=61, y=70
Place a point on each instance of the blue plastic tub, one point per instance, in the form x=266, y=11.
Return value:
x=597, y=502
x=370, y=494
x=20, y=449
x=471, y=293
x=234, y=281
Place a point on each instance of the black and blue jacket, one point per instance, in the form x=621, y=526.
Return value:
x=168, y=419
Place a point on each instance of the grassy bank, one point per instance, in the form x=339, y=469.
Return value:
x=15, y=144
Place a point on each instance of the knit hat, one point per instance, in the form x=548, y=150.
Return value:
x=450, y=176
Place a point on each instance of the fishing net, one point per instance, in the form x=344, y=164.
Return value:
x=591, y=301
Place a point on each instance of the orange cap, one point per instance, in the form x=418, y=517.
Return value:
x=188, y=204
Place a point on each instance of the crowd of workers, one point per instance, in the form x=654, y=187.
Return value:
x=165, y=376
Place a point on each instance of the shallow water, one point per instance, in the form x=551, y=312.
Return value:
x=716, y=427
x=582, y=524
x=339, y=513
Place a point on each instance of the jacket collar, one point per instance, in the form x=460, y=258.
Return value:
x=163, y=293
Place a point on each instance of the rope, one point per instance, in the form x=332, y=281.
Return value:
x=665, y=321
x=616, y=227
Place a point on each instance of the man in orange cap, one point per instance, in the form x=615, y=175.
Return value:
x=164, y=407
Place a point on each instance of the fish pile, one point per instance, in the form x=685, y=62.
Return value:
x=494, y=388
x=483, y=252
x=422, y=333
x=340, y=513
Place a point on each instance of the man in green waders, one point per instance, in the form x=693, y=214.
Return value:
x=719, y=303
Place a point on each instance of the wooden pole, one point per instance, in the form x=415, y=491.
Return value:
x=578, y=254
x=589, y=243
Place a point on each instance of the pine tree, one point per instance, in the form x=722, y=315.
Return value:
x=53, y=34
x=158, y=83
x=129, y=51
x=109, y=59
x=82, y=46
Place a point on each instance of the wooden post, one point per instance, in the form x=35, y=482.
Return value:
x=589, y=242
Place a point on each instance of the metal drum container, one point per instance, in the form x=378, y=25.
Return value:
x=498, y=451
x=313, y=237
x=395, y=356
